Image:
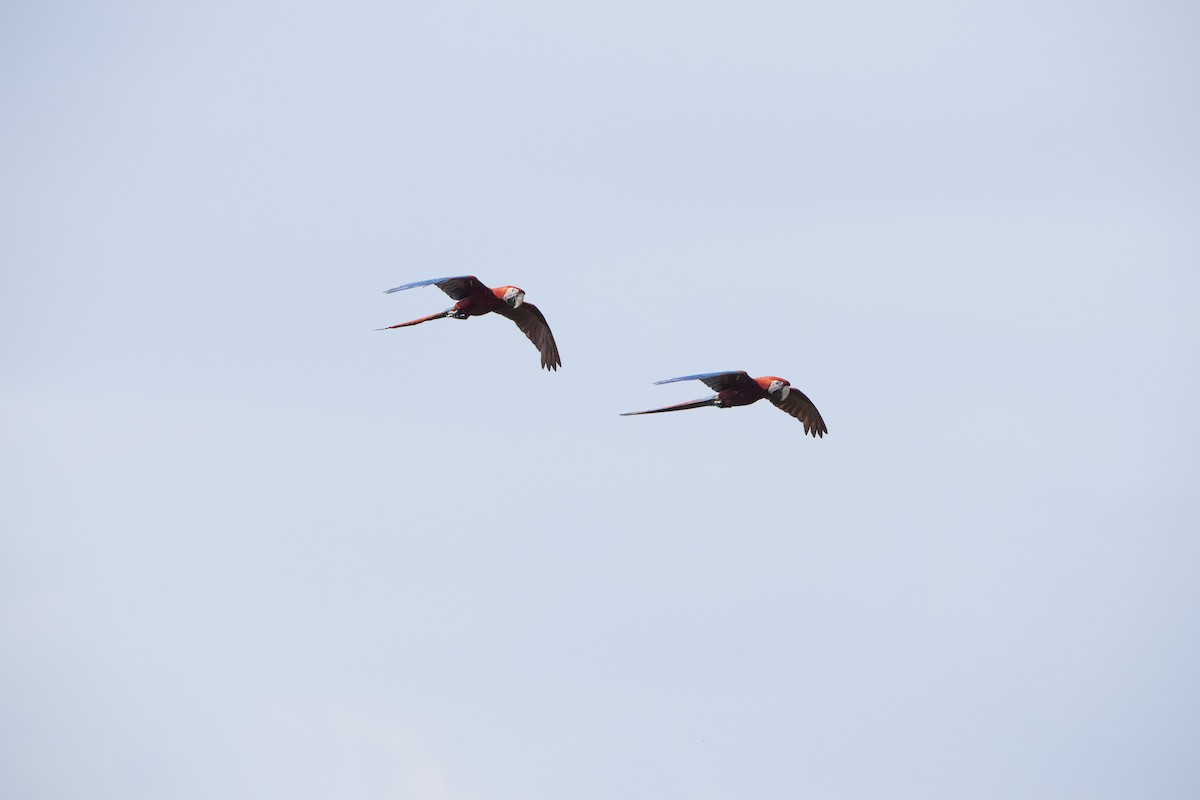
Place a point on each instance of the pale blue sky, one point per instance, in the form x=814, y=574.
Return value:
x=254, y=548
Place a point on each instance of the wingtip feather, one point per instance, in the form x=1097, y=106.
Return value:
x=697, y=377
x=415, y=284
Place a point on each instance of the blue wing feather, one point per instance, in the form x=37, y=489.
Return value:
x=457, y=287
x=415, y=284
x=717, y=381
x=699, y=377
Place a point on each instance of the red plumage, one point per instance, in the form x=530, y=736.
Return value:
x=739, y=389
x=474, y=299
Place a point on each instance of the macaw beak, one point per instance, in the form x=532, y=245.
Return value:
x=782, y=391
x=517, y=299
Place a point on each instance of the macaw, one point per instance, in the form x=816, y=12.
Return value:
x=739, y=389
x=474, y=299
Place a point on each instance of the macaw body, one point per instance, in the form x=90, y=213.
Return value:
x=473, y=299
x=739, y=389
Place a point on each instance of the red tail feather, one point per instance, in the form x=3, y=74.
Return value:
x=438, y=315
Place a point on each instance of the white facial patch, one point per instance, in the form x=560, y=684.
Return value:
x=515, y=297
x=781, y=387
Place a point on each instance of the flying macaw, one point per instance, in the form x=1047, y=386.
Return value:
x=474, y=299
x=739, y=389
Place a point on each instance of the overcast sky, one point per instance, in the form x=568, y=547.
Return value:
x=252, y=548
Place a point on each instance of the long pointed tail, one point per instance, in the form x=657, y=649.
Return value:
x=438, y=315
x=707, y=401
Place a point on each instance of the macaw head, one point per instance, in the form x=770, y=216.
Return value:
x=776, y=387
x=511, y=295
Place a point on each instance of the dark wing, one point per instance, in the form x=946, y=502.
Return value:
x=719, y=381
x=799, y=406
x=457, y=288
x=531, y=322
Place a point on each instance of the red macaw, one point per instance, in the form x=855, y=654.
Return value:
x=739, y=389
x=475, y=299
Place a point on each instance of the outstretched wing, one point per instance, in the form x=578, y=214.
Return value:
x=701, y=403
x=533, y=324
x=457, y=288
x=718, y=381
x=799, y=406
